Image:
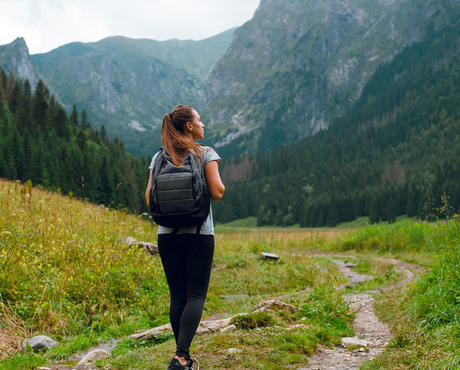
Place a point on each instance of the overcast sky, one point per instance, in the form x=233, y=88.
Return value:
x=47, y=24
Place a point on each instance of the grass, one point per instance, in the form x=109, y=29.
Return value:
x=243, y=222
x=63, y=274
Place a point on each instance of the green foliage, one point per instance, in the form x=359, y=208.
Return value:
x=327, y=312
x=23, y=361
x=437, y=293
x=254, y=320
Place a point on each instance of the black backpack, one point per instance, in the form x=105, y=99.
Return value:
x=179, y=196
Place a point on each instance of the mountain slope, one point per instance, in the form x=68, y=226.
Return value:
x=299, y=63
x=396, y=151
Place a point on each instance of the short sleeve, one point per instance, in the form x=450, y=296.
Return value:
x=210, y=155
x=152, y=163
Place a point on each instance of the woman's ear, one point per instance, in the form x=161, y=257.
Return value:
x=189, y=126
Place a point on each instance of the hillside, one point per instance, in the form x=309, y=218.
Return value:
x=395, y=151
x=299, y=64
x=41, y=143
x=124, y=84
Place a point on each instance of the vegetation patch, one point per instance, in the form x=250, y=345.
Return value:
x=254, y=320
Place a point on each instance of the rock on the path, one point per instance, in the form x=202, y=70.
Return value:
x=275, y=305
x=39, y=343
x=152, y=333
x=205, y=327
x=354, y=342
x=213, y=326
x=228, y=328
x=93, y=356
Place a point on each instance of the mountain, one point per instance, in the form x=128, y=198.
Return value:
x=298, y=64
x=124, y=84
x=15, y=58
x=395, y=151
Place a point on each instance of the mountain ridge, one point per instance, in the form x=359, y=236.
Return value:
x=298, y=64
x=124, y=84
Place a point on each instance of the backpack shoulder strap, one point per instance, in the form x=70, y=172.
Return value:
x=158, y=162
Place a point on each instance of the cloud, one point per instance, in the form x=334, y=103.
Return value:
x=47, y=24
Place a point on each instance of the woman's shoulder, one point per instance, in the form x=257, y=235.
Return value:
x=206, y=148
x=209, y=154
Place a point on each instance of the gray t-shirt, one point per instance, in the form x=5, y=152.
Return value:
x=207, y=228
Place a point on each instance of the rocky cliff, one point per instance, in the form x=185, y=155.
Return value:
x=299, y=63
x=15, y=58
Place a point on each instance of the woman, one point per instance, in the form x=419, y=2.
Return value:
x=186, y=261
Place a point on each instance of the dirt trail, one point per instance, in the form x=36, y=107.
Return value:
x=367, y=325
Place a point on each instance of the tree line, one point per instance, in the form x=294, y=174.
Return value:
x=40, y=142
x=396, y=151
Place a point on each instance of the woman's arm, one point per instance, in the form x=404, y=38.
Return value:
x=216, y=187
x=147, y=191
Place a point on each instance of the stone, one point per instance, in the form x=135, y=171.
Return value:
x=129, y=240
x=93, y=356
x=152, y=333
x=205, y=327
x=354, y=342
x=150, y=248
x=270, y=256
x=274, y=304
x=39, y=343
x=228, y=328
x=297, y=326
x=232, y=351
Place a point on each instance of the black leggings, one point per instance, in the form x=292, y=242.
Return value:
x=187, y=265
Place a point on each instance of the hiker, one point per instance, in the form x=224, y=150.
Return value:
x=187, y=256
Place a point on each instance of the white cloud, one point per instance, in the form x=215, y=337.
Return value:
x=47, y=24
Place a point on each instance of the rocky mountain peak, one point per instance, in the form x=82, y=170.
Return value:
x=20, y=44
x=298, y=64
x=14, y=57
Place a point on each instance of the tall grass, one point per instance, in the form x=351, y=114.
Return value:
x=403, y=236
x=62, y=270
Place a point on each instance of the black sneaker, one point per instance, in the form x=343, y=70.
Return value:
x=176, y=365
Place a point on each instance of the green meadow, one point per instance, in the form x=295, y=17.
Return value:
x=64, y=273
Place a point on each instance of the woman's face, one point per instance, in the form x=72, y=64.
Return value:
x=196, y=127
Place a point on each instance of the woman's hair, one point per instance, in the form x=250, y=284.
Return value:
x=176, y=143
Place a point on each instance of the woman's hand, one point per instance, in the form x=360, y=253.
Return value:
x=216, y=187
